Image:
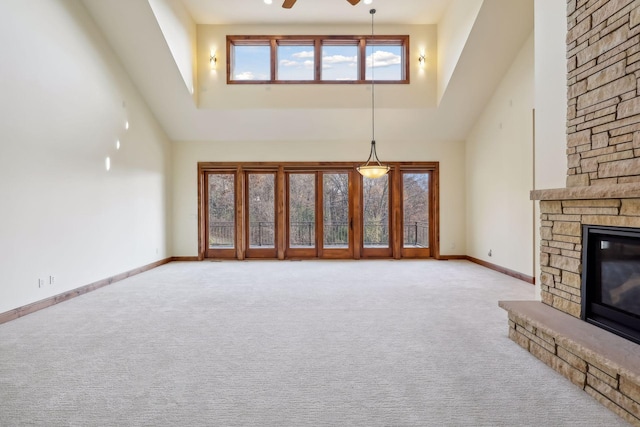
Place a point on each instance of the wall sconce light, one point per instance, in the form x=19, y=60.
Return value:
x=213, y=60
x=422, y=60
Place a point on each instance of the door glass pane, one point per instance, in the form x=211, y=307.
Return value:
x=415, y=190
x=335, y=196
x=221, y=211
x=376, y=212
x=261, y=210
x=302, y=210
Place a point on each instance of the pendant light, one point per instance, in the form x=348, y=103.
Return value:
x=372, y=168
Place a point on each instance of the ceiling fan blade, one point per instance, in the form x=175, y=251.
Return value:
x=288, y=4
x=354, y=2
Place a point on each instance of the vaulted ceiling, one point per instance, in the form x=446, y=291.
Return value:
x=500, y=29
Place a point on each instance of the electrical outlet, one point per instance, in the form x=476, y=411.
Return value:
x=52, y=280
x=490, y=253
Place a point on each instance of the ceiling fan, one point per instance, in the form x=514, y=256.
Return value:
x=288, y=4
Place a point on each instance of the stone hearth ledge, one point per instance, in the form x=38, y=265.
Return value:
x=580, y=337
x=613, y=191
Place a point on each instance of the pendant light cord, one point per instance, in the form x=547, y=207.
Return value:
x=373, y=97
x=377, y=169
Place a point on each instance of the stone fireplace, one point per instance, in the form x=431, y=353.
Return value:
x=602, y=189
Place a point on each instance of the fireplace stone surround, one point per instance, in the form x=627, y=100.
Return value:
x=603, y=188
x=603, y=364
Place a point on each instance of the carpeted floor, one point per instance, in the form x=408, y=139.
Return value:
x=281, y=343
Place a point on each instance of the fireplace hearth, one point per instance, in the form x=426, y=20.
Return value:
x=611, y=279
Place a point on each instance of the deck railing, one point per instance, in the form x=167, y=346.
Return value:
x=416, y=234
x=221, y=234
x=262, y=234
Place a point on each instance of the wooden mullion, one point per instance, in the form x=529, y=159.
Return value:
x=274, y=60
x=397, y=222
x=203, y=220
x=317, y=50
x=319, y=214
x=355, y=207
x=239, y=201
x=406, y=73
x=246, y=208
x=281, y=212
x=230, y=59
x=287, y=219
x=362, y=60
x=434, y=214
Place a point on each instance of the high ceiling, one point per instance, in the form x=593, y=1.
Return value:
x=315, y=11
x=131, y=28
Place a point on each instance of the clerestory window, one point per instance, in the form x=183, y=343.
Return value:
x=317, y=59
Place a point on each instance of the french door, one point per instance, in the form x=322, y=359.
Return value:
x=377, y=231
x=279, y=211
x=416, y=214
x=220, y=221
x=319, y=213
x=260, y=218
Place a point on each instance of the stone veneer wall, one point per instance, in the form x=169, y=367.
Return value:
x=561, y=243
x=603, y=116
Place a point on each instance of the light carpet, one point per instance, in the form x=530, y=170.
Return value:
x=282, y=343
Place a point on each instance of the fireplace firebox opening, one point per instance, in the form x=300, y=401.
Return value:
x=611, y=279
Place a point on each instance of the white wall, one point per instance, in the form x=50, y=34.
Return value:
x=453, y=31
x=551, y=93
x=550, y=103
x=64, y=103
x=186, y=156
x=499, y=163
x=180, y=33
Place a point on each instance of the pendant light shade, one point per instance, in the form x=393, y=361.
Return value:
x=372, y=168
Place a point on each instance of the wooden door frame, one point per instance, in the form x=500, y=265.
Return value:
x=387, y=252
x=335, y=253
x=414, y=252
x=203, y=235
x=250, y=252
x=301, y=252
x=281, y=169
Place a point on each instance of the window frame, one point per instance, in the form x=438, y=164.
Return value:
x=317, y=43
